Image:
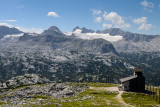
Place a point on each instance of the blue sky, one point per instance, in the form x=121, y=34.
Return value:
x=139, y=16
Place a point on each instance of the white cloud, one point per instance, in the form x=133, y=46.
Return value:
x=147, y=5
x=145, y=26
x=54, y=14
x=98, y=19
x=107, y=25
x=116, y=19
x=140, y=20
x=9, y=20
x=143, y=23
x=95, y=12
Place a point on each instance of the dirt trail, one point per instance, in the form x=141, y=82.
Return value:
x=118, y=97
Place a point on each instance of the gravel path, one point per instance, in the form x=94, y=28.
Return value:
x=118, y=97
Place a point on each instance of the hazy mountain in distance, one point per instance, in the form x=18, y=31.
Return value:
x=84, y=30
x=128, y=36
x=123, y=41
x=134, y=42
x=58, y=41
x=77, y=27
x=4, y=30
x=112, y=31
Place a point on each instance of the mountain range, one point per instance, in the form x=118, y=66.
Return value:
x=129, y=42
x=80, y=55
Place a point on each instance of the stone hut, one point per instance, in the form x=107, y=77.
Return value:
x=135, y=83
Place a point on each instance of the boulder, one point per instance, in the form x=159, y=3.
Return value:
x=27, y=79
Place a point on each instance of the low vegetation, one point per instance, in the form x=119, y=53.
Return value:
x=139, y=99
x=91, y=84
x=97, y=96
x=88, y=98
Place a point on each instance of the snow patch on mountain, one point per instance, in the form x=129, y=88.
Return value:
x=12, y=36
x=68, y=33
x=94, y=35
x=7, y=25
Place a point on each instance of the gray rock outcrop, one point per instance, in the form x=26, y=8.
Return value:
x=27, y=79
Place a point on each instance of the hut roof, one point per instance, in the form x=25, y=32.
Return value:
x=137, y=70
x=128, y=78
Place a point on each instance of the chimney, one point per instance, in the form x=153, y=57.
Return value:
x=138, y=71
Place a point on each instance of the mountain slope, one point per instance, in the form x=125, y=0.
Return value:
x=133, y=42
x=4, y=30
x=60, y=58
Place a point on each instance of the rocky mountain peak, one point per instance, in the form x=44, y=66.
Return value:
x=85, y=30
x=115, y=29
x=76, y=28
x=53, y=30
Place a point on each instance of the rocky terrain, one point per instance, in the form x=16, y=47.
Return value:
x=73, y=94
x=22, y=89
x=60, y=57
x=44, y=91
